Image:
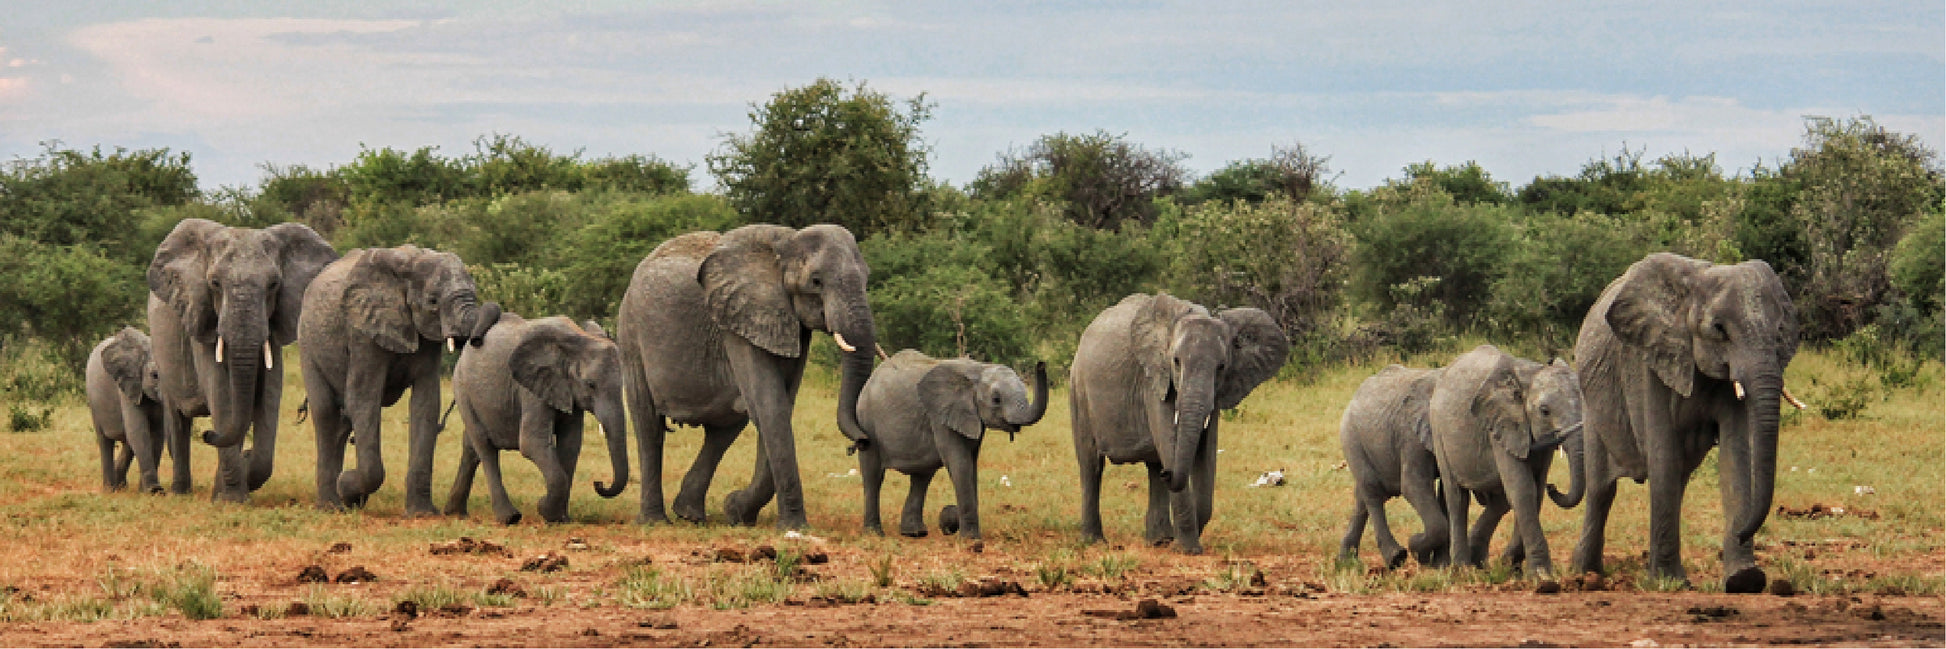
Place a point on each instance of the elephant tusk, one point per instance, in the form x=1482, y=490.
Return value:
x=1739, y=386
x=449, y=344
x=1206, y=420
x=269, y=355
x=219, y=349
x=1793, y=399
x=840, y=338
x=1178, y=419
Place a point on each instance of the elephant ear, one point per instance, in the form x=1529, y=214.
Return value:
x=743, y=289
x=1418, y=407
x=543, y=364
x=1648, y=312
x=301, y=255
x=1258, y=349
x=947, y=393
x=1150, y=337
x=594, y=329
x=1500, y=407
x=377, y=304
x=126, y=361
x=179, y=275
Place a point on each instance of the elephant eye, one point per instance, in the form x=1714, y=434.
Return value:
x=1721, y=332
x=1544, y=411
x=817, y=281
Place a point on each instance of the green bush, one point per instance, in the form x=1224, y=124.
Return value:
x=933, y=294
x=527, y=291
x=71, y=296
x=620, y=229
x=1557, y=271
x=1423, y=232
x=1102, y=180
x=1285, y=257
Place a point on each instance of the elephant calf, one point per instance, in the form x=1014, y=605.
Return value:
x=1388, y=449
x=124, y=401
x=1496, y=420
x=528, y=386
x=922, y=413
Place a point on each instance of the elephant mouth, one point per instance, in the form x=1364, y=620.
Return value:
x=1553, y=440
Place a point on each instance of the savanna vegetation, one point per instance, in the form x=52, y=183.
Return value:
x=1008, y=268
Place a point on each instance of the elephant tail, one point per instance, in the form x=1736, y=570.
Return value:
x=448, y=415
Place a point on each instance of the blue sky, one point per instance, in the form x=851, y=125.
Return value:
x=1524, y=88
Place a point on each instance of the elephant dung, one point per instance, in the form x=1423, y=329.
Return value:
x=467, y=545
x=340, y=547
x=356, y=575
x=507, y=587
x=1147, y=609
x=312, y=575
x=1782, y=587
x=546, y=562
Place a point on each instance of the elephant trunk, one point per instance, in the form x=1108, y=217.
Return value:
x=859, y=333
x=1191, y=422
x=482, y=319
x=1037, y=407
x=1577, y=472
x=1763, y=401
x=242, y=358
x=615, y=430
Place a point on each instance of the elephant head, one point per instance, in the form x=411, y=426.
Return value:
x=969, y=397
x=769, y=283
x=128, y=360
x=575, y=370
x=241, y=290
x=1696, y=321
x=401, y=296
x=1196, y=364
x=1527, y=408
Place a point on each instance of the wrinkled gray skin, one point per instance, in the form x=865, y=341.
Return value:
x=923, y=413
x=1383, y=433
x=1495, y=422
x=1660, y=353
x=529, y=387
x=240, y=290
x=1148, y=377
x=376, y=323
x=713, y=332
x=124, y=403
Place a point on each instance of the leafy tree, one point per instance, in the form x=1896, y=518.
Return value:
x=309, y=196
x=1102, y=179
x=1292, y=172
x=932, y=292
x=823, y=153
x=1558, y=270
x=1424, y=233
x=68, y=197
x=1467, y=184
x=71, y=296
x=621, y=228
x=1285, y=257
x=1604, y=186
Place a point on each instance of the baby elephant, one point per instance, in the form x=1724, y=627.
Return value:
x=528, y=386
x=922, y=413
x=123, y=400
x=1388, y=449
x=1496, y=421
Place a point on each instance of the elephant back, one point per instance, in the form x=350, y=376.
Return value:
x=891, y=393
x=693, y=245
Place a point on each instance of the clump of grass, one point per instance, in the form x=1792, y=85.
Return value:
x=646, y=587
x=486, y=599
x=549, y=595
x=1111, y=567
x=1054, y=576
x=847, y=591
x=745, y=588
x=1234, y=576
x=331, y=605
x=430, y=598
x=274, y=611
x=192, y=590
x=945, y=581
x=882, y=572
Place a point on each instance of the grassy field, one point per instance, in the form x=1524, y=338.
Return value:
x=94, y=555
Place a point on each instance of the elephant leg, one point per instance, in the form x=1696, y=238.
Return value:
x=1371, y=503
x=1667, y=481
x=545, y=444
x=651, y=432
x=111, y=479
x=262, y=456
x=1091, y=465
x=962, y=459
x=1354, y=530
x=232, y=475
x=695, y=484
x=1594, y=524
x=1428, y=547
x=1183, y=510
x=503, y=507
x=1740, y=571
x=1202, y=478
x=462, y=491
x=124, y=458
x=1524, y=493
x=742, y=505
x=766, y=383
x=1458, y=546
x=1493, y=507
x=871, y=468
x=1156, y=527
x=330, y=430
x=423, y=434
x=141, y=445
x=912, y=518
x=363, y=398
x=175, y=433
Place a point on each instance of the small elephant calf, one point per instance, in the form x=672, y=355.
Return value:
x=921, y=413
x=528, y=387
x=1387, y=440
x=123, y=398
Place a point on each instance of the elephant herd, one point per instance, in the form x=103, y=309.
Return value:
x=1678, y=356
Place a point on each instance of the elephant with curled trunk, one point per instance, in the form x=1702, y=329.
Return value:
x=529, y=386
x=922, y=413
x=223, y=302
x=1495, y=421
x=1387, y=436
x=1148, y=377
x=376, y=323
x=714, y=329
x=126, y=409
x=1679, y=355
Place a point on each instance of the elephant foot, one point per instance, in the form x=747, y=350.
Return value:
x=1395, y=559
x=913, y=534
x=1162, y=542
x=153, y=490
x=356, y=501
x=1191, y=548
x=1091, y=538
x=1749, y=579
x=238, y=496
x=734, y=508
x=510, y=519
x=692, y=512
x=421, y=512
x=652, y=518
x=949, y=520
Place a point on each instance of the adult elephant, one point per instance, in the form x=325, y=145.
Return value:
x=376, y=323
x=223, y=302
x=1679, y=355
x=713, y=331
x=1148, y=377
x=1387, y=437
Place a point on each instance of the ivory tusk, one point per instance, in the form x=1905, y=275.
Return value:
x=449, y=344
x=1793, y=399
x=1206, y=420
x=219, y=349
x=269, y=355
x=1739, y=386
x=840, y=338
x=1178, y=421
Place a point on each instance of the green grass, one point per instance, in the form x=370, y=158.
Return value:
x=646, y=587
x=328, y=604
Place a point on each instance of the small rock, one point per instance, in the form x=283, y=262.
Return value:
x=408, y=609
x=356, y=575
x=1150, y=609
x=1534, y=642
x=340, y=547
x=763, y=552
x=1782, y=587
x=816, y=557
x=1548, y=587
x=455, y=609
x=297, y=609
x=591, y=632
x=727, y=555
x=547, y=562
x=506, y=587
x=248, y=610
x=576, y=543
x=312, y=574
x=1645, y=642
x=977, y=547
x=401, y=625
x=657, y=623
x=1875, y=613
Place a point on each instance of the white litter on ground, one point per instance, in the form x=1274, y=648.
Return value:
x=1270, y=479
